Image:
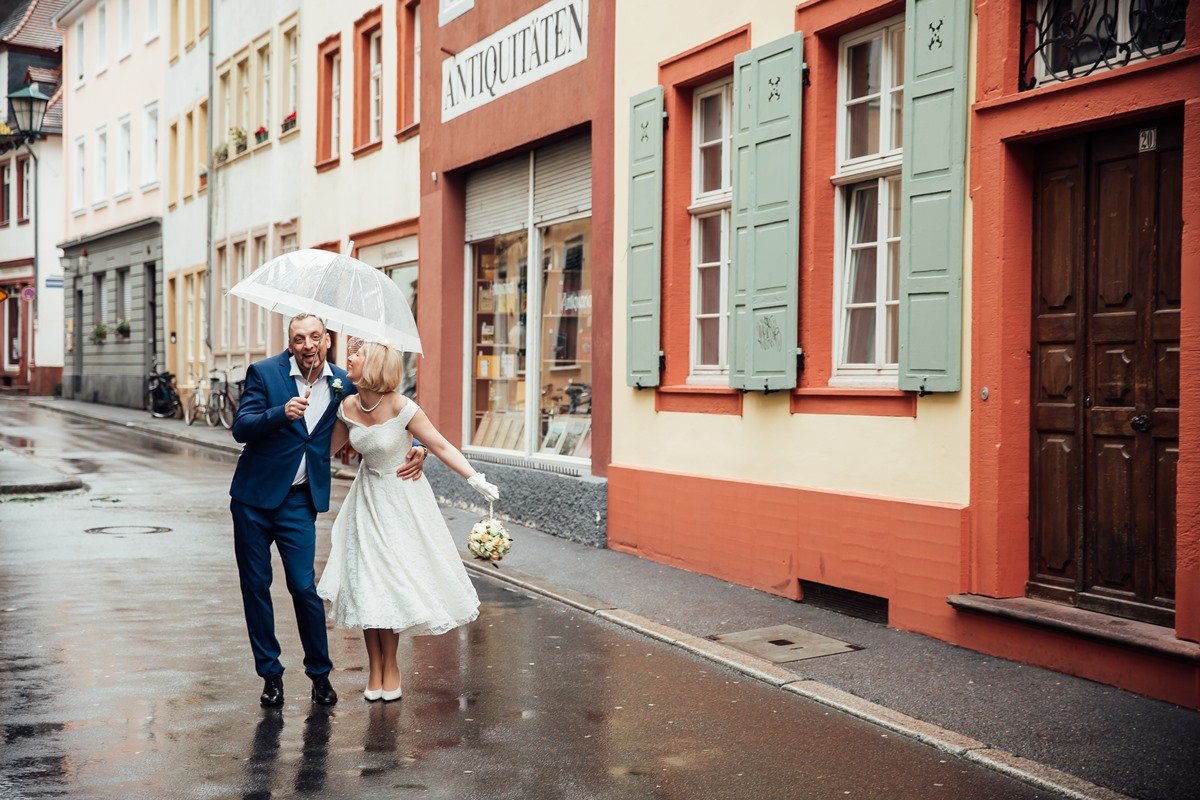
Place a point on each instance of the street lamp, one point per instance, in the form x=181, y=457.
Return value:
x=29, y=109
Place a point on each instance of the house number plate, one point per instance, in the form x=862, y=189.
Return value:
x=1147, y=140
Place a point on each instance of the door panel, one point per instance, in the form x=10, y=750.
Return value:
x=1105, y=410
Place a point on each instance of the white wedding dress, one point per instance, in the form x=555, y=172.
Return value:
x=392, y=562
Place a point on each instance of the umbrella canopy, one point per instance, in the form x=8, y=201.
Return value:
x=350, y=295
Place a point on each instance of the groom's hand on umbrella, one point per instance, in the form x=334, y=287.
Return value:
x=413, y=464
x=295, y=407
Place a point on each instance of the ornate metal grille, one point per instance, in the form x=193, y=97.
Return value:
x=1065, y=39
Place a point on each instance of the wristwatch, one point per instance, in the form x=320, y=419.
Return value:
x=425, y=453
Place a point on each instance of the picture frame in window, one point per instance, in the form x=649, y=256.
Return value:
x=554, y=434
x=577, y=428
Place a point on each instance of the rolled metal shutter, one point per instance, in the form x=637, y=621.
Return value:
x=562, y=179
x=498, y=199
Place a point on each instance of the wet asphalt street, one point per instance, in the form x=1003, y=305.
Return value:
x=125, y=673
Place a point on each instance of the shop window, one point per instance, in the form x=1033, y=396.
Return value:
x=368, y=78
x=24, y=189
x=329, y=100
x=870, y=108
x=5, y=188
x=565, y=359
x=712, y=194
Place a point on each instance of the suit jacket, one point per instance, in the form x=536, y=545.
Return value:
x=274, y=444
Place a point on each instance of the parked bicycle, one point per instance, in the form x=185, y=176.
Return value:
x=223, y=403
x=199, y=406
x=162, y=398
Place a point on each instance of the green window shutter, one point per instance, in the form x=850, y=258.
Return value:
x=936, y=33
x=765, y=266
x=644, y=263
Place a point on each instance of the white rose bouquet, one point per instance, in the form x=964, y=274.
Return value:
x=489, y=540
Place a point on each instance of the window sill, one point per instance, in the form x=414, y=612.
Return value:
x=289, y=134
x=171, y=206
x=366, y=149
x=126, y=195
x=102, y=70
x=857, y=402
x=1087, y=624
x=690, y=399
x=124, y=56
x=99, y=204
x=265, y=144
x=171, y=61
x=147, y=187
x=78, y=212
x=151, y=37
x=408, y=131
x=20, y=221
x=327, y=164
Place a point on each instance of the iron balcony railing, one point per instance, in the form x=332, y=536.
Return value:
x=1065, y=39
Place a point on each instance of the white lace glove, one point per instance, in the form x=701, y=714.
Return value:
x=480, y=484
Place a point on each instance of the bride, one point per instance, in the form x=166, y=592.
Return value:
x=393, y=567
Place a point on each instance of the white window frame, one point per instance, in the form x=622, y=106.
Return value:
x=243, y=306
x=375, y=88
x=189, y=283
x=335, y=106
x=882, y=168
x=100, y=287
x=452, y=9
x=100, y=179
x=123, y=294
x=101, y=36
x=152, y=19
x=25, y=188
x=79, y=191
x=264, y=87
x=291, y=40
x=124, y=156
x=261, y=250
x=125, y=24
x=224, y=259
x=704, y=205
x=150, y=145
x=242, y=73
x=80, y=53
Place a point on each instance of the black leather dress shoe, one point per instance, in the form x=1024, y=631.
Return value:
x=322, y=692
x=272, y=694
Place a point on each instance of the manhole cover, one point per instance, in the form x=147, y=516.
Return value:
x=782, y=643
x=125, y=530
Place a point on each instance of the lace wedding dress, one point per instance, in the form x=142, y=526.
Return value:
x=393, y=563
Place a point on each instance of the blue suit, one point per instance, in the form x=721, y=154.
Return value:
x=266, y=508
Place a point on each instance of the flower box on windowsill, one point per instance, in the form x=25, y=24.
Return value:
x=288, y=124
x=240, y=147
x=261, y=135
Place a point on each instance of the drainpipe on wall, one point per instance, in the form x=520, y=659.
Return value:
x=212, y=189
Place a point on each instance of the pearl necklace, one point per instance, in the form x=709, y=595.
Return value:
x=366, y=410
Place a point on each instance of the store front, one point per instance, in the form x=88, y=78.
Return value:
x=529, y=381
x=398, y=259
x=516, y=239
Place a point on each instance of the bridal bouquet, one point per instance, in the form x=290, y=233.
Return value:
x=489, y=540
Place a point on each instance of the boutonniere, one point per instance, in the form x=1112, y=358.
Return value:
x=336, y=385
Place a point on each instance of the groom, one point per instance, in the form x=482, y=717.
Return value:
x=285, y=419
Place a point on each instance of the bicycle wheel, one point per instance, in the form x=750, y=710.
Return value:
x=226, y=413
x=211, y=417
x=190, y=410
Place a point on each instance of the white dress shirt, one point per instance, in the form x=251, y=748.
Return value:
x=318, y=402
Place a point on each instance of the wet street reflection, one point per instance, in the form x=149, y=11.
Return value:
x=125, y=672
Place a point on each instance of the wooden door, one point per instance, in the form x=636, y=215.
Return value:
x=1105, y=361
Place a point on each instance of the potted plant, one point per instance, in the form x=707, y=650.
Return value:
x=261, y=134
x=123, y=328
x=239, y=138
x=221, y=154
x=203, y=176
x=99, y=333
x=289, y=122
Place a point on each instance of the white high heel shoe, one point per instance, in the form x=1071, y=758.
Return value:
x=373, y=694
x=387, y=696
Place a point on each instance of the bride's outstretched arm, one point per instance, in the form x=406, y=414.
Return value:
x=423, y=429
x=340, y=435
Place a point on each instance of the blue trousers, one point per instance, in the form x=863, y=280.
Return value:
x=292, y=527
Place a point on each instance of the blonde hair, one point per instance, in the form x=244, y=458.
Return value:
x=382, y=368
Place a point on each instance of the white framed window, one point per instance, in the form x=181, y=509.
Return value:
x=292, y=47
x=867, y=225
x=225, y=105
x=335, y=106
x=80, y=174
x=226, y=277
x=100, y=179
x=243, y=106
x=243, y=306
x=151, y=19
x=376, y=89
x=264, y=87
x=80, y=50
x=452, y=9
x=260, y=328
x=124, y=154
x=124, y=294
x=150, y=144
x=126, y=24
x=712, y=196
x=188, y=337
x=25, y=207
x=101, y=36
x=416, y=63
x=100, y=300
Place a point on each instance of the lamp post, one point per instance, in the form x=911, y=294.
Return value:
x=29, y=109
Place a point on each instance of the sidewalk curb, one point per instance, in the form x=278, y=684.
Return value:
x=955, y=744
x=65, y=485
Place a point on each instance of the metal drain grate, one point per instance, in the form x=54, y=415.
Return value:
x=782, y=643
x=128, y=530
x=845, y=601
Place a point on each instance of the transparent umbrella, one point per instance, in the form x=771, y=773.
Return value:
x=350, y=295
